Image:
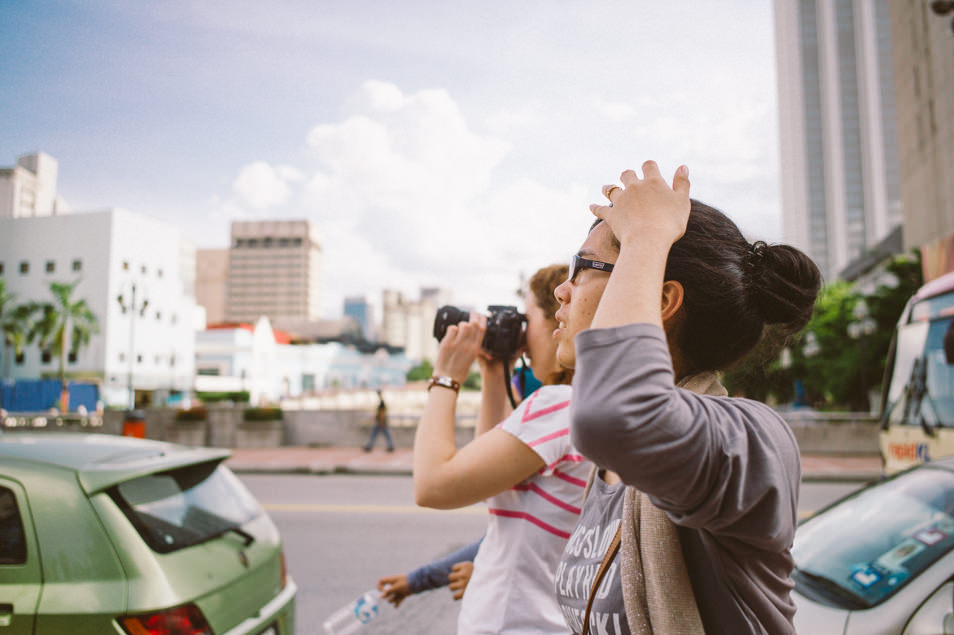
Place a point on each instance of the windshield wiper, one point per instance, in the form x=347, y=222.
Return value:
x=246, y=537
x=829, y=588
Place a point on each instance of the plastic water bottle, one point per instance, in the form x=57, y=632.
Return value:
x=353, y=616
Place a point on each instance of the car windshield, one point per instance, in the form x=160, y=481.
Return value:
x=859, y=552
x=936, y=404
x=185, y=506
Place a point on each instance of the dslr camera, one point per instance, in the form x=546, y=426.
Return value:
x=506, y=328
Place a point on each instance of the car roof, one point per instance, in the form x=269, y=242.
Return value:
x=103, y=460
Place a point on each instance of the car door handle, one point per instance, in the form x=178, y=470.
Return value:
x=6, y=614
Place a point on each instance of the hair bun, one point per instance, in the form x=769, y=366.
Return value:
x=782, y=284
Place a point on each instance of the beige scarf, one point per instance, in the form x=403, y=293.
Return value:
x=657, y=592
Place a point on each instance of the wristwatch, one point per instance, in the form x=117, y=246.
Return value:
x=444, y=382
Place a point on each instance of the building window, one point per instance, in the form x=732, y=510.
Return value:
x=20, y=358
x=139, y=359
x=50, y=266
x=122, y=357
x=46, y=357
x=267, y=242
x=159, y=273
x=172, y=359
x=282, y=242
x=173, y=319
x=1, y=268
x=252, y=242
x=158, y=359
x=24, y=267
x=142, y=269
x=125, y=265
x=71, y=357
x=158, y=316
x=77, y=265
x=296, y=242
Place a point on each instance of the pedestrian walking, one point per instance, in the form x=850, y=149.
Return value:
x=380, y=426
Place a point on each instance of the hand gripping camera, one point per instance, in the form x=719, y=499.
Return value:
x=506, y=328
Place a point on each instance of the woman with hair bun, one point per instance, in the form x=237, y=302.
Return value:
x=691, y=512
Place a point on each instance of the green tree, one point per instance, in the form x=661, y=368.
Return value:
x=834, y=370
x=65, y=325
x=421, y=372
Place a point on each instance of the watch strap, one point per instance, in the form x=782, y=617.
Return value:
x=444, y=382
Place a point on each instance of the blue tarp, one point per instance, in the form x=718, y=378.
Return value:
x=37, y=395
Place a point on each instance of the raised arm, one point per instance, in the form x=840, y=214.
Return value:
x=448, y=478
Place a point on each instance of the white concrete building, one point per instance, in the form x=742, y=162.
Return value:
x=111, y=253
x=29, y=188
x=274, y=270
x=410, y=323
x=259, y=360
x=837, y=133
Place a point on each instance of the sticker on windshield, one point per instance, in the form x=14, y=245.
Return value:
x=930, y=536
x=895, y=559
x=865, y=577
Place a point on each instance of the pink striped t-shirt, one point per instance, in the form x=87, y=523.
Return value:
x=511, y=590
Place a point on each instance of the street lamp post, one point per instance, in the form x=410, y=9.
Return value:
x=132, y=308
x=859, y=330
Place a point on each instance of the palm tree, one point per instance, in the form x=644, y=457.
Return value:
x=65, y=325
x=15, y=324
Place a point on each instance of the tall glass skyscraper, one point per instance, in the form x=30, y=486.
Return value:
x=837, y=136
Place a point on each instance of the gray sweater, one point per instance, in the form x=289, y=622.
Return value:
x=725, y=470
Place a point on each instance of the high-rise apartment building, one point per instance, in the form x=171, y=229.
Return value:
x=837, y=131
x=409, y=324
x=361, y=310
x=274, y=270
x=211, y=281
x=29, y=188
x=923, y=50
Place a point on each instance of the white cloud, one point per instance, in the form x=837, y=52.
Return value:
x=260, y=186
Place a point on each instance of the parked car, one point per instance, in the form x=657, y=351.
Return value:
x=881, y=559
x=108, y=534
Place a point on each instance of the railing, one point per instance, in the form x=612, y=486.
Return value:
x=46, y=420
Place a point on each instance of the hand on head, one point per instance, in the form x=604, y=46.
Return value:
x=647, y=207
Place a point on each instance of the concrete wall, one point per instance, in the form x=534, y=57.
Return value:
x=826, y=433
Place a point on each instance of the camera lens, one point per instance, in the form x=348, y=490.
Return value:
x=446, y=316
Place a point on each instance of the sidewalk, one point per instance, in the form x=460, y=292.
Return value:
x=306, y=460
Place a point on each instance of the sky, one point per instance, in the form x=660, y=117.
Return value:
x=449, y=144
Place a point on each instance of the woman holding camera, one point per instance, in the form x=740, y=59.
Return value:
x=524, y=467
x=697, y=490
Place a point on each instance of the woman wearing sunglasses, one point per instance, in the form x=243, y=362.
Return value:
x=694, y=504
x=525, y=468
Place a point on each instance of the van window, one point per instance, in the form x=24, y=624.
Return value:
x=186, y=506
x=12, y=539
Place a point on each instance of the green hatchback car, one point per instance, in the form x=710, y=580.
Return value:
x=106, y=534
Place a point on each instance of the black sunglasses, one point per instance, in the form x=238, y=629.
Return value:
x=578, y=263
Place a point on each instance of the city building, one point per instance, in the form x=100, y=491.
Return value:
x=361, y=310
x=274, y=270
x=136, y=274
x=923, y=51
x=29, y=188
x=409, y=324
x=211, y=281
x=837, y=131
x=262, y=361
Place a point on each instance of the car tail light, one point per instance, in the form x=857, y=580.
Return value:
x=284, y=570
x=182, y=620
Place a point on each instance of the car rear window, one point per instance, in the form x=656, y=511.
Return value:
x=862, y=550
x=12, y=540
x=183, y=507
